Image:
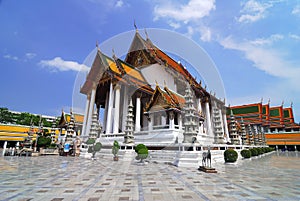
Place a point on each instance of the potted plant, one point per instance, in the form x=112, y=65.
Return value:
x=115, y=150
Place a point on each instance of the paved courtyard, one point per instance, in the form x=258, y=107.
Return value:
x=271, y=177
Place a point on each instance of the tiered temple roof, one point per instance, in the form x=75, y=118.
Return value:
x=144, y=52
x=257, y=113
x=105, y=69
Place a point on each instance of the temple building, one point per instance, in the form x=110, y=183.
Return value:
x=260, y=124
x=154, y=96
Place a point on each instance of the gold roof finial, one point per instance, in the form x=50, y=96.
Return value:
x=146, y=33
x=291, y=104
x=113, y=52
x=282, y=103
x=136, y=29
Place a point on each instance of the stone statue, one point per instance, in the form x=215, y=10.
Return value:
x=206, y=157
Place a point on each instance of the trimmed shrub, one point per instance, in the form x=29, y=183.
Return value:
x=92, y=147
x=230, y=156
x=140, y=146
x=115, y=148
x=259, y=151
x=142, y=152
x=246, y=153
x=254, y=152
x=265, y=149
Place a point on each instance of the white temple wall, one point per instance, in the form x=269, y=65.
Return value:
x=156, y=73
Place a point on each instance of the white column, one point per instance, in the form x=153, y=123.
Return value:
x=199, y=105
x=4, y=148
x=150, y=123
x=110, y=107
x=208, y=119
x=138, y=114
x=221, y=120
x=117, y=109
x=105, y=111
x=86, y=114
x=171, y=120
x=125, y=107
x=91, y=109
x=180, y=121
x=226, y=127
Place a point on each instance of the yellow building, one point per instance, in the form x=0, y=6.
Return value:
x=17, y=133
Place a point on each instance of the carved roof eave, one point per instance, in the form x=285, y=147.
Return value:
x=167, y=109
x=98, y=68
x=168, y=104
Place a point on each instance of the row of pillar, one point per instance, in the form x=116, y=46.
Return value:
x=112, y=110
x=208, y=119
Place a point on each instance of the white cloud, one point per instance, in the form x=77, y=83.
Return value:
x=193, y=10
x=267, y=41
x=205, y=34
x=174, y=25
x=296, y=10
x=30, y=55
x=11, y=57
x=295, y=37
x=265, y=58
x=119, y=3
x=253, y=11
x=58, y=64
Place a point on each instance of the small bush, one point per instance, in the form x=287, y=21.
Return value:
x=140, y=146
x=115, y=148
x=142, y=152
x=265, y=149
x=52, y=146
x=254, y=152
x=230, y=156
x=259, y=151
x=246, y=153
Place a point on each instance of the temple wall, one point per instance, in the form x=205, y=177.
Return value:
x=156, y=73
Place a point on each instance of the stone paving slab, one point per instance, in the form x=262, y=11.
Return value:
x=67, y=178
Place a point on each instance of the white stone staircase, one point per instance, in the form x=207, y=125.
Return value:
x=188, y=159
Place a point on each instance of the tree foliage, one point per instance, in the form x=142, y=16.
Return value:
x=43, y=141
x=23, y=118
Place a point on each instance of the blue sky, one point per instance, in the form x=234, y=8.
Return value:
x=254, y=44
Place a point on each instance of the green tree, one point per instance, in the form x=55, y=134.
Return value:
x=5, y=116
